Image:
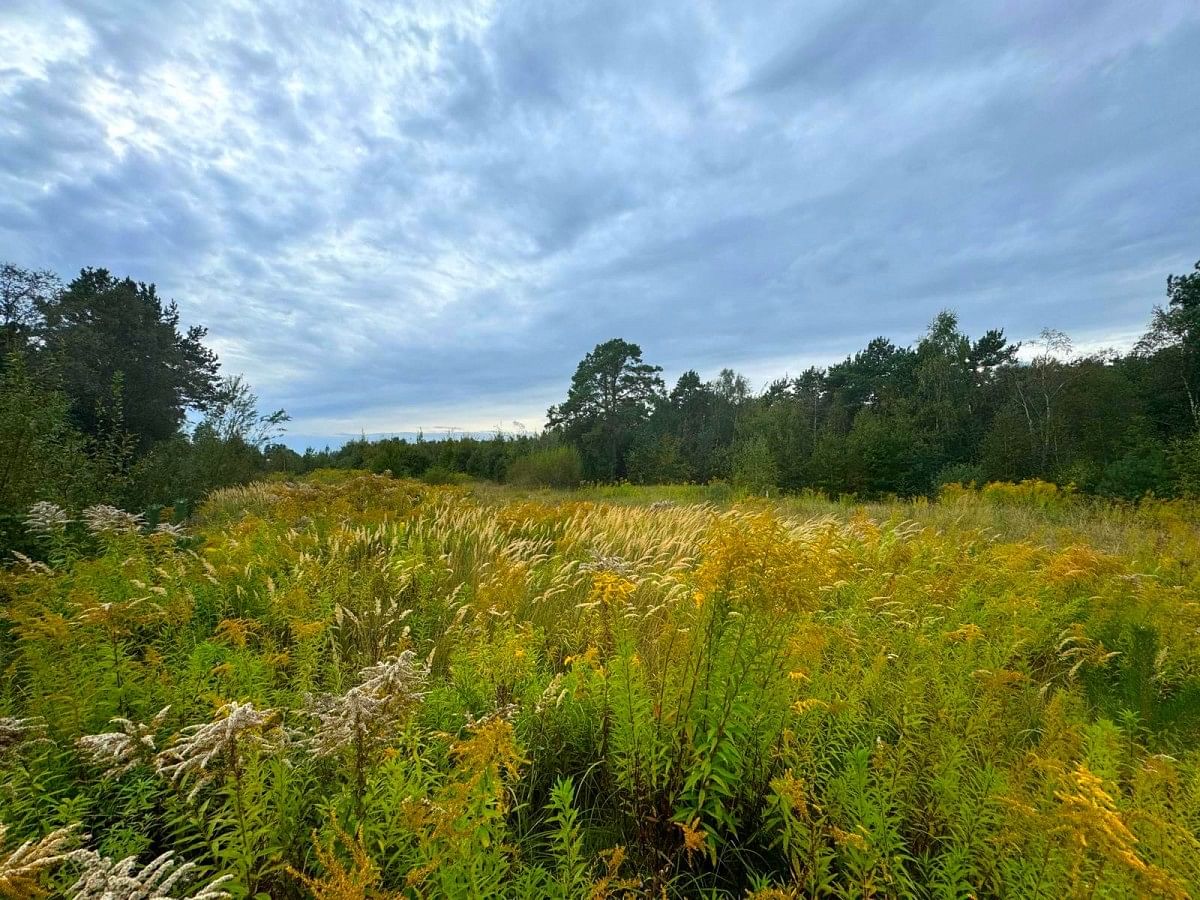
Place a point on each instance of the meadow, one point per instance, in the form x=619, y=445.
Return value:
x=355, y=686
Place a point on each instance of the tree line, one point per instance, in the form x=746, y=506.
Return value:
x=889, y=419
x=894, y=419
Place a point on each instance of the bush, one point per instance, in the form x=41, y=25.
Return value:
x=966, y=474
x=1031, y=492
x=1143, y=470
x=754, y=467
x=558, y=467
x=442, y=475
x=42, y=455
x=1184, y=458
x=887, y=455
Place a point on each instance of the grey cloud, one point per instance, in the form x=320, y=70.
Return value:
x=382, y=211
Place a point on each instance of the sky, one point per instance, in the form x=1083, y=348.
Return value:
x=421, y=215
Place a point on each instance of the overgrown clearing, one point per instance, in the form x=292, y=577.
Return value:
x=424, y=691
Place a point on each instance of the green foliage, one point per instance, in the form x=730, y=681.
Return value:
x=1142, y=470
x=1184, y=459
x=886, y=454
x=94, y=388
x=969, y=474
x=896, y=420
x=101, y=326
x=362, y=686
x=42, y=457
x=566, y=847
x=442, y=475
x=555, y=467
x=754, y=466
x=611, y=394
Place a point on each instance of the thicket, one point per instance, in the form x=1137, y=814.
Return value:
x=98, y=380
x=557, y=467
x=357, y=686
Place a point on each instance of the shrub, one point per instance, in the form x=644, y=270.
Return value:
x=754, y=467
x=557, y=467
x=1184, y=458
x=1143, y=470
x=1030, y=492
x=966, y=474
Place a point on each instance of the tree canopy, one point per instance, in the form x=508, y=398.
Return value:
x=612, y=393
x=104, y=332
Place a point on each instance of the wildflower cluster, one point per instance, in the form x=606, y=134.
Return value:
x=46, y=518
x=202, y=751
x=421, y=692
x=368, y=711
x=131, y=745
x=104, y=519
x=106, y=879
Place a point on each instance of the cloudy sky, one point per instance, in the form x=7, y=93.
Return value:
x=422, y=214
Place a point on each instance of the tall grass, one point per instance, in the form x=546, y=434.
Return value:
x=357, y=686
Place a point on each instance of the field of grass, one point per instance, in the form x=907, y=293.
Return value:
x=356, y=686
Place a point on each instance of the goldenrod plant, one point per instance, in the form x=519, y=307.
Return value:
x=355, y=686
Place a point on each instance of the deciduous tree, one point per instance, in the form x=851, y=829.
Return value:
x=100, y=327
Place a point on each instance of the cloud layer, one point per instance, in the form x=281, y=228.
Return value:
x=394, y=216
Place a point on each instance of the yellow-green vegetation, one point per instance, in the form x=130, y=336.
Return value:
x=356, y=686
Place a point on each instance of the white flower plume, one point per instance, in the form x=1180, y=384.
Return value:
x=106, y=879
x=45, y=517
x=202, y=751
x=104, y=519
x=386, y=691
x=119, y=751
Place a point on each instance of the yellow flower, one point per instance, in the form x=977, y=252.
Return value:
x=849, y=839
x=968, y=634
x=802, y=706
x=695, y=838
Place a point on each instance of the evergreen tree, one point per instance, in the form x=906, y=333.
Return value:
x=612, y=393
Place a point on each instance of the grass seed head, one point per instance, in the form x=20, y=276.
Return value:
x=45, y=517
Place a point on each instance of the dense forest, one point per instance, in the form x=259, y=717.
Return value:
x=106, y=398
